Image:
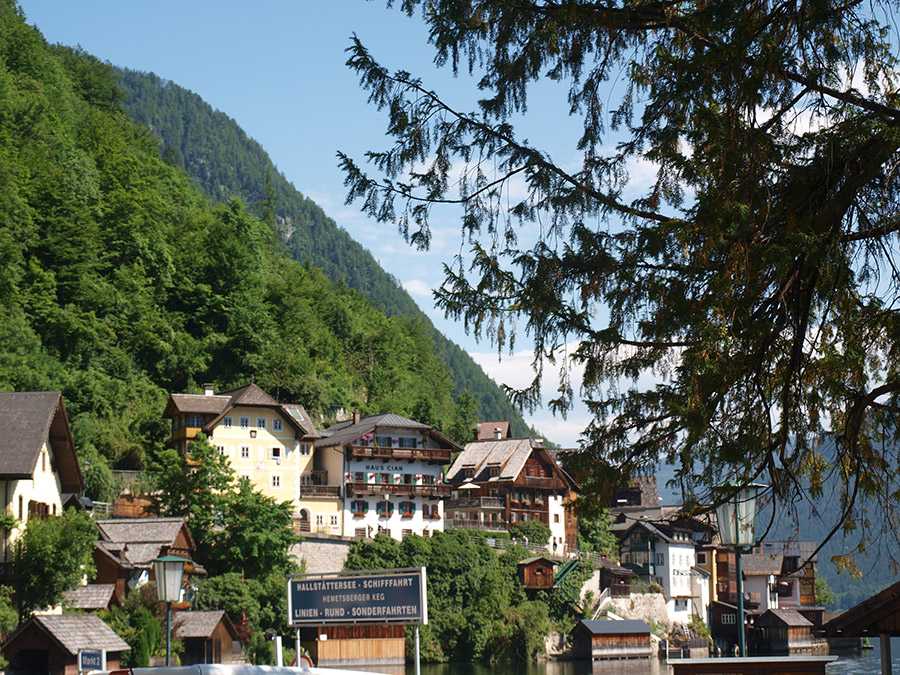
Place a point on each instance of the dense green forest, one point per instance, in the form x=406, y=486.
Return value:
x=122, y=283
x=224, y=162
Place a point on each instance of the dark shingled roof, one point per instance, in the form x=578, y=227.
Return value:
x=199, y=624
x=761, y=564
x=75, y=631
x=486, y=430
x=790, y=617
x=27, y=421
x=92, y=596
x=624, y=627
x=248, y=395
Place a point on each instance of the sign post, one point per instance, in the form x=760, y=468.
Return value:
x=397, y=596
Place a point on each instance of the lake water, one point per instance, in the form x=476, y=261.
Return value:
x=866, y=662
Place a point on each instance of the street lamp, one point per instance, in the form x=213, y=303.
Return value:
x=735, y=517
x=169, y=573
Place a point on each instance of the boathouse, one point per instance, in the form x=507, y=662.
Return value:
x=602, y=639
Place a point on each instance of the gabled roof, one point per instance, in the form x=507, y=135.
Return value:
x=790, y=617
x=761, y=564
x=248, y=395
x=664, y=531
x=508, y=455
x=607, y=627
x=196, y=624
x=27, y=421
x=487, y=431
x=344, y=433
x=72, y=632
x=138, y=541
x=91, y=596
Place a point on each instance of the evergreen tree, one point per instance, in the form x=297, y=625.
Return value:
x=755, y=277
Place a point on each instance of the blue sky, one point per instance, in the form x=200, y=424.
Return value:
x=278, y=69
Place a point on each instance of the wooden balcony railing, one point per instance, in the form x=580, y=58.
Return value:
x=407, y=489
x=475, y=503
x=320, y=491
x=541, y=482
x=423, y=454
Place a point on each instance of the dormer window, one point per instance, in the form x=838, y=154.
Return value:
x=495, y=471
x=469, y=473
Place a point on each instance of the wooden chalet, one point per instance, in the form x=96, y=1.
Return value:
x=615, y=578
x=49, y=643
x=126, y=549
x=208, y=637
x=497, y=483
x=601, y=639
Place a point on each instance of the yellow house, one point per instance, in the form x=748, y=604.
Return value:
x=38, y=464
x=269, y=443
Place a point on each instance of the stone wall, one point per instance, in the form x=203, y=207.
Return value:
x=322, y=553
x=649, y=607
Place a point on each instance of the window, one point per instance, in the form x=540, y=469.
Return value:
x=333, y=520
x=728, y=619
x=275, y=453
x=261, y=422
x=359, y=533
x=227, y=422
x=383, y=508
x=384, y=441
x=407, y=509
x=245, y=423
x=555, y=517
x=276, y=424
x=221, y=449
x=304, y=449
x=245, y=476
x=359, y=477
x=407, y=442
x=701, y=558
x=470, y=473
x=195, y=420
x=494, y=471
x=360, y=507
x=320, y=520
x=276, y=480
x=305, y=479
x=245, y=452
x=660, y=559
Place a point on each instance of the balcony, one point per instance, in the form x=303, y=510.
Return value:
x=474, y=525
x=541, y=482
x=320, y=491
x=406, y=489
x=475, y=503
x=438, y=455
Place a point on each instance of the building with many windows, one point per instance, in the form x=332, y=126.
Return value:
x=269, y=443
x=392, y=474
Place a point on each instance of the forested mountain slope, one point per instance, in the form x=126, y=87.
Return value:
x=225, y=162
x=121, y=283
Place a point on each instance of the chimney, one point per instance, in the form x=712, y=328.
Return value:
x=209, y=389
x=356, y=416
x=498, y=434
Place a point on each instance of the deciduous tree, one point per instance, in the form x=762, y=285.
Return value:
x=755, y=277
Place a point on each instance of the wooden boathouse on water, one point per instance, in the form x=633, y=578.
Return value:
x=603, y=639
x=360, y=645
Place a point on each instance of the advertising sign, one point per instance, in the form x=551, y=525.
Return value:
x=383, y=596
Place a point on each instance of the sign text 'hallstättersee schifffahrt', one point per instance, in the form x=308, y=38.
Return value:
x=395, y=596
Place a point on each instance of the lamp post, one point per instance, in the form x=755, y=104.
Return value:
x=169, y=573
x=736, y=517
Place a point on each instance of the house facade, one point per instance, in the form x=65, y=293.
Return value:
x=503, y=481
x=270, y=444
x=664, y=554
x=39, y=469
x=392, y=477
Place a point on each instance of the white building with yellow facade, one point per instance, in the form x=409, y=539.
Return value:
x=270, y=444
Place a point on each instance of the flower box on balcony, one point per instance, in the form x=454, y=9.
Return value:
x=359, y=514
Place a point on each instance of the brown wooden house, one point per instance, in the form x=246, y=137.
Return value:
x=615, y=578
x=126, y=549
x=536, y=573
x=208, y=637
x=601, y=639
x=49, y=643
x=500, y=482
x=784, y=631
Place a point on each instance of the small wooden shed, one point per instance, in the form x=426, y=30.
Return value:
x=615, y=578
x=49, y=643
x=536, y=573
x=602, y=639
x=785, y=631
x=208, y=637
